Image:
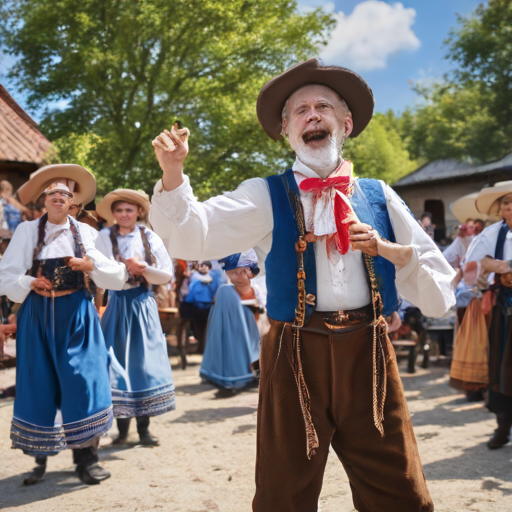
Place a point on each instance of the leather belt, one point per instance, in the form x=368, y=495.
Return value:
x=55, y=294
x=341, y=320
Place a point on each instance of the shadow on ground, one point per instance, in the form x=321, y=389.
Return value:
x=55, y=483
x=213, y=415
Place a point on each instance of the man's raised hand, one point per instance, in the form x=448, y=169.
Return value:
x=171, y=149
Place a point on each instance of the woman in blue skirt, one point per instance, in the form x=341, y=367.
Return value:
x=142, y=384
x=233, y=339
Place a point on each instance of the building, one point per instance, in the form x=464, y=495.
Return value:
x=435, y=186
x=23, y=148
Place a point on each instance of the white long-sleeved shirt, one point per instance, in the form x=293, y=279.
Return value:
x=484, y=244
x=131, y=246
x=59, y=243
x=237, y=221
x=457, y=250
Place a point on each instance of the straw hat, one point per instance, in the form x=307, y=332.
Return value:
x=488, y=199
x=464, y=208
x=349, y=85
x=83, y=188
x=138, y=197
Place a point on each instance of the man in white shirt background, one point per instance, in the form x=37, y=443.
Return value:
x=337, y=252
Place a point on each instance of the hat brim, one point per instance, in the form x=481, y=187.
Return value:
x=464, y=208
x=349, y=85
x=488, y=200
x=85, y=183
x=104, y=207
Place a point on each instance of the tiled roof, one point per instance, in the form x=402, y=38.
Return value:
x=452, y=169
x=20, y=138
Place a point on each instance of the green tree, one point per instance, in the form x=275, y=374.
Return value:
x=129, y=68
x=468, y=116
x=380, y=152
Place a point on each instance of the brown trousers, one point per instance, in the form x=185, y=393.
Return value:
x=385, y=473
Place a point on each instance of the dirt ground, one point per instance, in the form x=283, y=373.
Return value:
x=205, y=461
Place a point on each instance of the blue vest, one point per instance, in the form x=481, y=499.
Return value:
x=281, y=265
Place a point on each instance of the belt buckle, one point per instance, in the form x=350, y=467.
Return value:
x=337, y=321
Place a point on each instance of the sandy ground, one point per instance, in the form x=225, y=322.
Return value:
x=205, y=461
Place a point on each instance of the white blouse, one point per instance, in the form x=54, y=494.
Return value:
x=484, y=244
x=131, y=246
x=243, y=219
x=59, y=243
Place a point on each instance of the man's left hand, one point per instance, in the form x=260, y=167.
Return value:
x=81, y=264
x=364, y=238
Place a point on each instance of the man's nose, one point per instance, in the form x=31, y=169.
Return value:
x=313, y=115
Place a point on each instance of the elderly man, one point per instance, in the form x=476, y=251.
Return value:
x=337, y=252
x=62, y=360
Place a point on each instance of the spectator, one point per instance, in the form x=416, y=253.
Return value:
x=426, y=224
x=13, y=209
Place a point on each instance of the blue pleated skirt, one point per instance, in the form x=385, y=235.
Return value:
x=232, y=342
x=140, y=372
x=62, y=363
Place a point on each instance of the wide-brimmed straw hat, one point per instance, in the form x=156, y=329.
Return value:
x=349, y=85
x=488, y=199
x=83, y=188
x=138, y=197
x=464, y=208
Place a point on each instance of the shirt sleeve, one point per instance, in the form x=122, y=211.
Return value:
x=108, y=273
x=163, y=260
x=426, y=280
x=484, y=244
x=16, y=261
x=226, y=224
x=454, y=253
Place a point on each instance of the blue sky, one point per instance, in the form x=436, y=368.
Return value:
x=389, y=43
x=392, y=43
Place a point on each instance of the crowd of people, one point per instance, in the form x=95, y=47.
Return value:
x=346, y=265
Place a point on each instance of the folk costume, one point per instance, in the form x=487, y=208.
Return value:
x=232, y=338
x=328, y=374
x=495, y=241
x=141, y=376
x=62, y=361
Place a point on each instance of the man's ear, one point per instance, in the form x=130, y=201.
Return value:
x=284, y=126
x=349, y=125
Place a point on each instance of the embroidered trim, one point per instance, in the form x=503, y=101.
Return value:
x=50, y=440
x=129, y=404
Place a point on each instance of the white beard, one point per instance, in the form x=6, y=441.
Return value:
x=324, y=160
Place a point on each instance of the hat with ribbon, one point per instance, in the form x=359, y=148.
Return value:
x=349, y=85
x=137, y=197
x=78, y=181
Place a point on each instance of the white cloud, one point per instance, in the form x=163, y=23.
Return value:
x=366, y=38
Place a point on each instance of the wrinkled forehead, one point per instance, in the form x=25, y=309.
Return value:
x=313, y=93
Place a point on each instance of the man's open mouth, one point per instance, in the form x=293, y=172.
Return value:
x=314, y=136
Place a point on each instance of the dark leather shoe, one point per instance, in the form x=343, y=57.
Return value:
x=498, y=440
x=93, y=474
x=36, y=475
x=147, y=439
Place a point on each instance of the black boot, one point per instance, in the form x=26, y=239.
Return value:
x=89, y=470
x=145, y=437
x=123, y=425
x=38, y=472
x=502, y=434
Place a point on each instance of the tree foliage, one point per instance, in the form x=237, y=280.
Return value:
x=469, y=115
x=380, y=151
x=126, y=69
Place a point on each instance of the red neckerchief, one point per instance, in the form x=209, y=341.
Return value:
x=342, y=184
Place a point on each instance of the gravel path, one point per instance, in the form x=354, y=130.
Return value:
x=205, y=461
